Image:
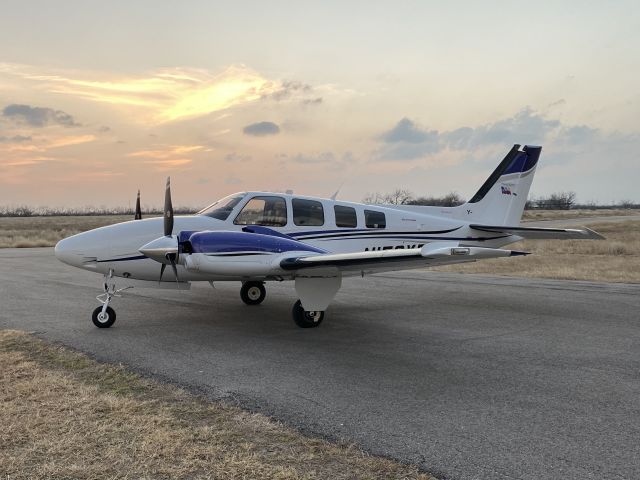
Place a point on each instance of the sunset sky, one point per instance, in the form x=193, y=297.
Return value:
x=100, y=99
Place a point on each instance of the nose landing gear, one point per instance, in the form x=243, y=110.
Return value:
x=105, y=316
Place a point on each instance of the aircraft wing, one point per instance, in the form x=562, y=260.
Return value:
x=432, y=254
x=536, y=233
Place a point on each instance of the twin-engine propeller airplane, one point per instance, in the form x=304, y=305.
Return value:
x=255, y=237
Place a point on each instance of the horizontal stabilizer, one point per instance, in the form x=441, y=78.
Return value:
x=537, y=233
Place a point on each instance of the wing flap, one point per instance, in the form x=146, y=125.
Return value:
x=540, y=233
x=436, y=253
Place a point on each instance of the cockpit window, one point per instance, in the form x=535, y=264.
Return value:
x=266, y=211
x=222, y=208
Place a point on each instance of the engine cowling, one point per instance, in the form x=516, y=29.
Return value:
x=241, y=253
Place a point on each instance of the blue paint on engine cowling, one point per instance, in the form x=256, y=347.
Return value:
x=239, y=242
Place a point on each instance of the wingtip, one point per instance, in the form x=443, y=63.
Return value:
x=593, y=235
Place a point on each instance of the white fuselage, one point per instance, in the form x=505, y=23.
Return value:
x=116, y=247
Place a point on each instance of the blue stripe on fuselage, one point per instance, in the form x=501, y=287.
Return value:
x=123, y=259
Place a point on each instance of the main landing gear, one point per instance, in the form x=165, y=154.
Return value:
x=105, y=316
x=253, y=293
x=305, y=319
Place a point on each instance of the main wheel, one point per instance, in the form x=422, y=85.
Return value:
x=253, y=293
x=103, y=320
x=306, y=319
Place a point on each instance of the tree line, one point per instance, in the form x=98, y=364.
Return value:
x=555, y=201
x=89, y=211
x=398, y=196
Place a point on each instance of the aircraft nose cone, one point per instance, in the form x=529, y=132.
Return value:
x=63, y=251
x=69, y=251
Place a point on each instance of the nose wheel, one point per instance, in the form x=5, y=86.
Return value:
x=103, y=319
x=253, y=293
x=304, y=318
x=105, y=316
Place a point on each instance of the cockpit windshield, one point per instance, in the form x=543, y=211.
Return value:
x=223, y=207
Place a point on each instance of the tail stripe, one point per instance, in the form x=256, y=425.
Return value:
x=497, y=173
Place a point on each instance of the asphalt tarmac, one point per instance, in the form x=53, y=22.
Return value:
x=471, y=377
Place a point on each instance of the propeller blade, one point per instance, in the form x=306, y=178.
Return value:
x=175, y=269
x=138, y=210
x=164, y=265
x=168, y=210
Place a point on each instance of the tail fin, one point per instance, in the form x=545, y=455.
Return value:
x=500, y=200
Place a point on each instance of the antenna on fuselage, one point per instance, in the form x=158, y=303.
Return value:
x=335, y=195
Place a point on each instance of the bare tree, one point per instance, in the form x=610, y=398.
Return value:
x=375, y=198
x=399, y=196
x=452, y=199
x=557, y=201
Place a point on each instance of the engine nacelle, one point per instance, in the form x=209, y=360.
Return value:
x=253, y=265
x=247, y=253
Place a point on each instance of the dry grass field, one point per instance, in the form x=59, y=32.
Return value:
x=19, y=232
x=64, y=415
x=616, y=259
x=539, y=215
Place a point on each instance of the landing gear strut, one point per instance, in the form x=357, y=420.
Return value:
x=253, y=293
x=105, y=316
x=305, y=319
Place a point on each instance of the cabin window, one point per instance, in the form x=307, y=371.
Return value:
x=345, y=216
x=266, y=211
x=307, y=212
x=374, y=219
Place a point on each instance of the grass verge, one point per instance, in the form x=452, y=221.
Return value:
x=64, y=415
x=616, y=259
x=539, y=215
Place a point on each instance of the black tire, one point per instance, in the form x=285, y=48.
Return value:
x=306, y=319
x=253, y=293
x=108, y=320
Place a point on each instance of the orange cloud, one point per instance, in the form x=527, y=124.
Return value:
x=166, y=95
x=168, y=152
x=169, y=164
x=69, y=140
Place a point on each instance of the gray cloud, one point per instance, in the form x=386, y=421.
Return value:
x=288, y=88
x=580, y=134
x=312, y=101
x=557, y=103
x=406, y=131
x=294, y=90
x=408, y=141
x=15, y=139
x=236, y=157
x=324, y=157
x=261, y=129
x=38, y=116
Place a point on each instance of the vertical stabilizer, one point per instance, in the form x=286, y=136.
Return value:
x=501, y=199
